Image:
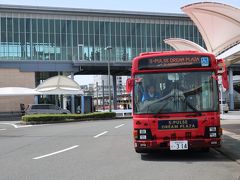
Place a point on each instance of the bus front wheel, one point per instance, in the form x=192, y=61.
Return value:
x=142, y=150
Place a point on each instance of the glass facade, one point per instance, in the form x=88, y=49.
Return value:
x=80, y=38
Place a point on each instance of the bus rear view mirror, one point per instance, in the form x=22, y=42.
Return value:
x=225, y=80
x=222, y=70
x=129, y=85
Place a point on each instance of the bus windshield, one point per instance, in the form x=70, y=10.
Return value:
x=175, y=92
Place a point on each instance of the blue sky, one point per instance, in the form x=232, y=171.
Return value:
x=171, y=6
x=168, y=6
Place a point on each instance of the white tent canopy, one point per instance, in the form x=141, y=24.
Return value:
x=230, y=56
x=52, y=86
x=183, y=44
x=18, y=91
x=219, y=24
x=59, y=85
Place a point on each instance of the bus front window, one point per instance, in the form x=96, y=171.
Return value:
x=175, y=92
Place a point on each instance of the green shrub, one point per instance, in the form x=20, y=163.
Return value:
x=48, y=118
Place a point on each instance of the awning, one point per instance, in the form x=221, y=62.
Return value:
x=219, y=24
x=18, y=91
x=52, y=86
x=182, y=45
x=59, y=85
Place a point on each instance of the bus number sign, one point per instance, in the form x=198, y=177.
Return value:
x=161, y=62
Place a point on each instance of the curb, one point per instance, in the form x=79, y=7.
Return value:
x=72, y=120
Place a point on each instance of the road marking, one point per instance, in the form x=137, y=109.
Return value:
x=119, y=126
x=21, y=126
x=2, y=129
x=11, y=124
x=57, y=152
x=16, y=126
x=100, y=134
x=231, y=134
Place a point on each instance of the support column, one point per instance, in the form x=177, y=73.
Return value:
x=36, y=99
x=97, y=96
x=103, y=95
x=72, y=96
x=114, y=77
x=231, y=98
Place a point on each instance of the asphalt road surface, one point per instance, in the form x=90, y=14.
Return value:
x=235, y=128
x=99, y=150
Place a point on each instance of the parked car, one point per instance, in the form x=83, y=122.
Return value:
x=45, y=109
x=224, y=106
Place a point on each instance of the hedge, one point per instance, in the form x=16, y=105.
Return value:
x=51, y=118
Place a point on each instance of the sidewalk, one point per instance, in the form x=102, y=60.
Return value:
x=231, y=135
x=231, y=115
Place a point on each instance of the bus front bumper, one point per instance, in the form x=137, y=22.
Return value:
x=165, y=145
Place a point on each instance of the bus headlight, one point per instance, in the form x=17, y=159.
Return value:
x=143, y=134
x=212, y=134
x=143, y=137
x=212, y=129
x=142, y=131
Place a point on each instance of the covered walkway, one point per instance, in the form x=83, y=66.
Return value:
x=219, y=25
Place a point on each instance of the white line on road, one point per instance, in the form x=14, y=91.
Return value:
x=11, y=124
x=2, y=129
x=119, y=126
x=20, y=126
x=57, y=152
x=231, y=134
x=23, y=126
x=100, y=134
x=16, y=126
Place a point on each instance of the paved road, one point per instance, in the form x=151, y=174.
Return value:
x=98, y=150
x=235, y=128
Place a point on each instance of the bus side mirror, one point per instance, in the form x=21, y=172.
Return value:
x=225, y=80
x=129, y=85
x=222, y=70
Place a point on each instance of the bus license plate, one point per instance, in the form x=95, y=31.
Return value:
x=178, y=145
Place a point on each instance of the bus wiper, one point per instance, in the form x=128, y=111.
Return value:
x=163, y=106
x=159, y=100
x=192, y=107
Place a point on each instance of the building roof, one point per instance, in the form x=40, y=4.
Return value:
x=82, y=11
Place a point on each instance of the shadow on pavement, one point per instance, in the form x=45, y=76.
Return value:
x=184, y=156
x=230, y=148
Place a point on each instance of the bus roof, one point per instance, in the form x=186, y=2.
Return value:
x=165, y=60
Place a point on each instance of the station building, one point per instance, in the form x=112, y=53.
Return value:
x=39, y=42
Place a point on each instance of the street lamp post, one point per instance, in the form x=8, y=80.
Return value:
x=108, y=49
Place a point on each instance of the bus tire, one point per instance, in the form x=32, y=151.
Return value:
x=141, y=151
x=205, y=150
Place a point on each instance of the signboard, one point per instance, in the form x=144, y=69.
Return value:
x=177, y=124
x=184, y=61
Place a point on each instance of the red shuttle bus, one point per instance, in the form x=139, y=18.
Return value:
x=175, y=100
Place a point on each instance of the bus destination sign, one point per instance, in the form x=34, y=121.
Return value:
x=178, y=124
x=162, y=62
